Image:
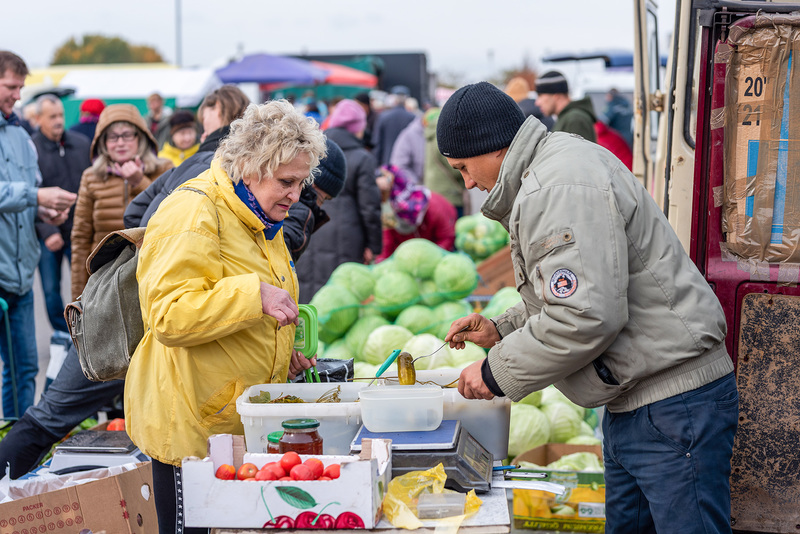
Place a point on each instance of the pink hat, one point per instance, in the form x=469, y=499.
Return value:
x=93, y=106
x=409, y=201
x=349, y=114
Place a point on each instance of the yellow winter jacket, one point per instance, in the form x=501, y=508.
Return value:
x=176, y=155
x=206, y=338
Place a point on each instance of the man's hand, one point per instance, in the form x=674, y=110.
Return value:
x=369, y=256
x=278, y=303
x=299, y=363
x=471, y=385
x=132, y=171
x=477, y=329
x=55, y=198
x=51, y=216
x=54, y=242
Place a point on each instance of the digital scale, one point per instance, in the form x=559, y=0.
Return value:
x=467, y=463
x=92, y=449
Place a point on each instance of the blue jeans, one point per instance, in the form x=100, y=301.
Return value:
x=50, y=271
x=72, y=397
x=23, y=347
x=668, y=464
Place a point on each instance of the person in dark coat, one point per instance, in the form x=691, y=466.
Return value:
x=354, y=232
x=518, y=88
x=90, y=111
x=390, y=123
x=62, y=157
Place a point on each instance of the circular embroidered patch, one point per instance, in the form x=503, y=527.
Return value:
x=563, y=283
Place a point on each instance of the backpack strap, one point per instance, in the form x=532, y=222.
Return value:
x=111, y=245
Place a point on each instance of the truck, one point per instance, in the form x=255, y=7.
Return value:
x=716, y=144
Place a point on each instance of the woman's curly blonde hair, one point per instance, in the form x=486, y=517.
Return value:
x=269, y=135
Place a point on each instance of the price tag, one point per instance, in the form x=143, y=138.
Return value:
x=592, y=509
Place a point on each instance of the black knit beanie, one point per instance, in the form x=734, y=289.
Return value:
x=478, y=119
x=332, y=170
x=552, y=83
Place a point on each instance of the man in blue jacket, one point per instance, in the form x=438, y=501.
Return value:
x=21, y=200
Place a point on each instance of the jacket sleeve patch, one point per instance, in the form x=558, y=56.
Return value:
x=563, y=283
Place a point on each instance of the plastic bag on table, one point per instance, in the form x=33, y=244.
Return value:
x=331, y=370
x=400, y=502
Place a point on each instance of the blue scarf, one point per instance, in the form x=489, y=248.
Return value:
x=271, y=227
x=13, y=120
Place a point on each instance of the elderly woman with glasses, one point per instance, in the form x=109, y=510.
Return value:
x=124, y=164
x=218, y=293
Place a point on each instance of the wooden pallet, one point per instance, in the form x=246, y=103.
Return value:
x=495, y=272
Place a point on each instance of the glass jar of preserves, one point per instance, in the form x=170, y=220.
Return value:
x=300, y=436
x=273, y=447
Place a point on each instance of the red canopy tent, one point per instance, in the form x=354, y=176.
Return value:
x=343, y=75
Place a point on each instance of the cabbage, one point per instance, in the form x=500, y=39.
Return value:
x=584, y=440
x=356, y=277
x=585, y=429
x=430, y=293
x=577, y=461
x=591, y=417
x=418, y=257
x=534, y=399
x=358, y=333
x=563, y=510
x=364, y=370
x=553, y=394
x=447, y=312
x=529, y=428
x=564, y=421
x=380, y=269
x=418, y=319
x=395, y=291
x=461, y=358
x=424, y=344
x=338, y=350
x=479, y=236
x=501, y=301
x=455, y=275
x=382, y=341
x=337, y=310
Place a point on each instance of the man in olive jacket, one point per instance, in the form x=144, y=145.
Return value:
x=613, y=313
x=574, y=116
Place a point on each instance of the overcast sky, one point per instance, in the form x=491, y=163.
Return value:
x=472, y=39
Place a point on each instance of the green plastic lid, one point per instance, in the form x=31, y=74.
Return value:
x=274, y=437
x=299, y=424
x=305, y=335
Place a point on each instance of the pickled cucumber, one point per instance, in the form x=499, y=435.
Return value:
x=406, y=374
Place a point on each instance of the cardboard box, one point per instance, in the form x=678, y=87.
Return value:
x=586, y=494
x=351, y=501
x=121, y=503
x=761, y=219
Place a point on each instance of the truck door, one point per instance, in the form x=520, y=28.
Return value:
x=734, y=105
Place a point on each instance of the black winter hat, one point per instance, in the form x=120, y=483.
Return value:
x=332, y=170
x=552, y=83
x=478, y=119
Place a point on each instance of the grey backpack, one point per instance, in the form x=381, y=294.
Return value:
x=106, y=320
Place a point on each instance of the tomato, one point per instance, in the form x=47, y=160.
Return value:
x=265, y=474
x=226, y=472
x=116, y=424
x=289, y=460
x=332, y=471
x=276, y=468
x=316, y=466
x=301, y=472
x=247, y=470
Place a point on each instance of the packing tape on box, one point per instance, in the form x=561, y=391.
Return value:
x=788, y=273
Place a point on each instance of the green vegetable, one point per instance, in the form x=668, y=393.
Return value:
x=463, y=357
x=529, y=428
x=360, y=331
x=339, y=350
x=382, y=268
x=564, y=422
x=430, y=293
x=534, y=399
x=364, y=370
x=418, y=257
x=394, y=292
x=562, y=509
x=455, y=275
x=418, y=319
x=580, y=439
x=447, y=312
x=501, y=301
x=552, y=394
x=479, y=236
x=382, y=341
x=355, y=277
x=577, y=461
x=424, y=344
x=337, y=310
x=591, y=417
x=585, y=429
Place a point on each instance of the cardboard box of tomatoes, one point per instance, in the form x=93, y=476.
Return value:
x=231, y=488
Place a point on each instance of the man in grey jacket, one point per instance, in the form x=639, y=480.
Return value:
x=613, y=313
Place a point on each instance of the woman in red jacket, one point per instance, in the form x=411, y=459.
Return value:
x=413, y=211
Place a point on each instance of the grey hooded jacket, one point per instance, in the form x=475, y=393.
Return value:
x=602, y=277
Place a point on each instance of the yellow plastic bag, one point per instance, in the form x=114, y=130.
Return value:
x=400, y=502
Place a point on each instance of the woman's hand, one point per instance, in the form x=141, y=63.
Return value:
x=278, y=303
x=477, y=329
x=132, y=171
x=300, y=363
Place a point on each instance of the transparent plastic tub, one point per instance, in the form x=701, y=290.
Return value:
x=401, y=408
x=339, y=422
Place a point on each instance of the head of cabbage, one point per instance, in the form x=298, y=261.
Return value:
x=425, y=344
x=455, y=275
x=564, y=421
x=418, y=257
x=529, y=428
x=471, y=353
x=418, y=319
x=356, y=277
x=382, y=341
x=337, y=310
x=394, y=292
x=357, y=336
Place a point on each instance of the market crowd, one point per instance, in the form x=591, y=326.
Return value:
x=249, y=208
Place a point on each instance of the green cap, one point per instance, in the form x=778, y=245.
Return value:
x=295, y=424
x=274, y=437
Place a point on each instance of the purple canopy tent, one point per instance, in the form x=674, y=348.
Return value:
x=266, y=68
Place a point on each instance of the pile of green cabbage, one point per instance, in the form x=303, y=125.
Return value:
x=479, y=237
x=577, y=461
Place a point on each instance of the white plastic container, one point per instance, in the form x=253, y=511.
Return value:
x=486, y=420
x=339, y=421
x=401, y=408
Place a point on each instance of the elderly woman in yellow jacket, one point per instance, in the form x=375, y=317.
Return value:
x=218, y=292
